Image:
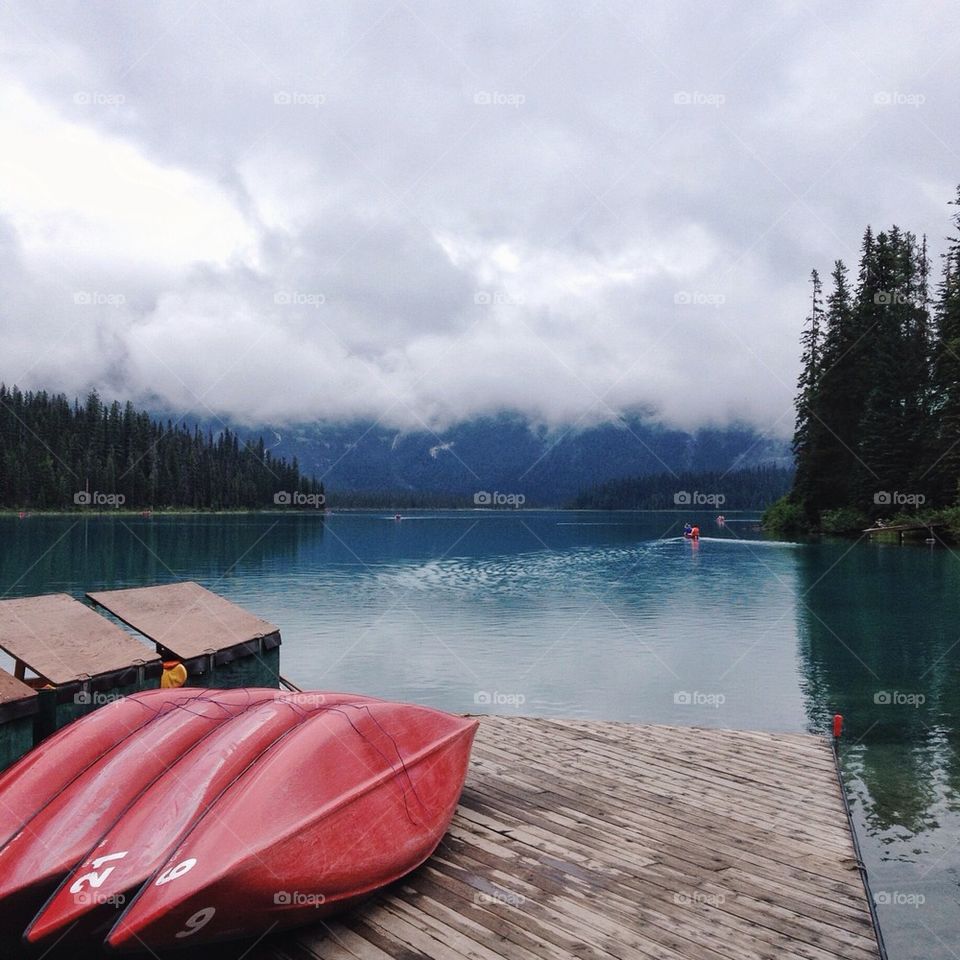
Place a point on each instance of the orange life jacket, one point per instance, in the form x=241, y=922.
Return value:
x=174, y=674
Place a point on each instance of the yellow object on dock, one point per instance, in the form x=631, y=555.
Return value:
x=583, y=839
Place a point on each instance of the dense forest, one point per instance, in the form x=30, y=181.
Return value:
x=57, y=455
x=750, y=489
x=878, y=403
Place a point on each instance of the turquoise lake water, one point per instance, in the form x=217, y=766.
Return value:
x=603, y=615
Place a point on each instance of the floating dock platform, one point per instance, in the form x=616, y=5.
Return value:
x=582, y=839
x=219, y=643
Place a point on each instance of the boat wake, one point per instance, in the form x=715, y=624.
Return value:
x=513, y=574
x=750, y=543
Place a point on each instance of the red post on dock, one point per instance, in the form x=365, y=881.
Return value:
x=837, y=726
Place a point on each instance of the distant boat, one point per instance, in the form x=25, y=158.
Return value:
x=221, y=814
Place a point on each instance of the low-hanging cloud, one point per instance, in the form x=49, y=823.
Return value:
x=423, y=212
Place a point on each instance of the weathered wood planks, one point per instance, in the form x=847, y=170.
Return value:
x=605, y=840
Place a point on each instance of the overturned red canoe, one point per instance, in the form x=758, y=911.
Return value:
x=39, y=776
x=350, y=801
x=282, y=812
x=69, y=819
x=151, y=825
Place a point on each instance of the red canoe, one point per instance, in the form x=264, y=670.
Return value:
x=68, y=820
x=351, y=800
x=150, y=827
x=42, y=774
x=277, y=813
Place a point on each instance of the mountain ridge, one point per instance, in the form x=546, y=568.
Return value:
x=509, y=454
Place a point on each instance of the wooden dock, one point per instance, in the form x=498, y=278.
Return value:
x=579, y=839
x=573, y=839
x=902, y=529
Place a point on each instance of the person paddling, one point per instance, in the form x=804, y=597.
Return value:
x=687, y=529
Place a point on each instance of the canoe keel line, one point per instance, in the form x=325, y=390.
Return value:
x=190, y=817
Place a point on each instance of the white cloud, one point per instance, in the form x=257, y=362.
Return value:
x=399, y=248
x=75, y=194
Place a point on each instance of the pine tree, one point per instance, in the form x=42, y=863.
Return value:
x=945, y=470
x=51, y=449
x=833, y=408
x=808, y=428
x=881, y=412
x=888, y=446
x=919, y=371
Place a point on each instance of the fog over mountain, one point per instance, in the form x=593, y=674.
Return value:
x=509, y=455
x=419, y=213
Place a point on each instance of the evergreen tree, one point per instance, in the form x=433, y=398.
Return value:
x=51, y=450
x=945, y=466
x=880, y=411
x=829, y=462
x=888, y=446
x=808, y=426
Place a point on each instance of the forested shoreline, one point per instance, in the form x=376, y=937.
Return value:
x=878, y=403
x=61, y=455
x=746, y=489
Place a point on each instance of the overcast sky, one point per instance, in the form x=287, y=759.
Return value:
x=419, y=212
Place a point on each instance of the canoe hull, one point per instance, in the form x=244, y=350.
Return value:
x=210, y=815
x=78, y=782
x=152, y=824
x=40, y=775
x=359, y=801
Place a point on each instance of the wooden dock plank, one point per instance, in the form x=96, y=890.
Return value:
x=13, y=690
x=185, y=618
x=591, y=840
x=62, y=640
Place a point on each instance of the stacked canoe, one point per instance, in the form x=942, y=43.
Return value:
x=176, y=817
